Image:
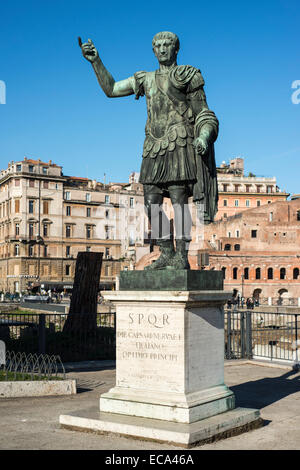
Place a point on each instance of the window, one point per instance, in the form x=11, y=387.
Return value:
x=67, y=271
x=30, y=207
x=68, y=211
x=246, y=273
x=131, y=202
x=298, y=215
x=88, y=248
x=45, y=230
x=18, y=167
x=88, y=231
x=225, y=215
x=46, y=184
x=271, y=216
x=31, y=227
x=258, y=203
x=234, y=273
x=248, y=188
x=107, y=214
x=225, y=203
x=17, y=250
x=269, y=189
x=30, y=250
x=237, y=247
x=257, y=273
x=227, y=247
x=270, y=273
x=88, y=197
x=17, y=229
x=45, y=170
x=67, y=195
x=247, y=202
x=229, y=234
x=45, y=207
x=106, y=199
x=258, y=188
x=68, y=251
x=236, y=203
x=237, y=234
x=68, y=231
x=225, y=186
x=282, y=273
x=107, y=252
x=45, y=251
x=88, y=212
x=224, y=272
x=236, y=188
x=253, y=233
x=30, y=168
x=31, y=183
x=295, y=273
x=17, y=182
x=17, y=205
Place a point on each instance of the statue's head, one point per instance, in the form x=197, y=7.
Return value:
x=165, y=47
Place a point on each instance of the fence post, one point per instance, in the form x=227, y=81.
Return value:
x=228, y=333
x=296, y=341
x=249, y=335
x=42, y=334
x=242, y=321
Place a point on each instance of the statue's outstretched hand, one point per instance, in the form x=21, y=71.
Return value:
x=201, y=145
x=89, y=51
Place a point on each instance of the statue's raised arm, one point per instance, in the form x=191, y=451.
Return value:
x=111, y=88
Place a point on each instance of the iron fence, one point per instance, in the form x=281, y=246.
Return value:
x=90, y=337
x=248, y=334
x=253, y=334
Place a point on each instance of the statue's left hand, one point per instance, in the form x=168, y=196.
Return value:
x=201, y=145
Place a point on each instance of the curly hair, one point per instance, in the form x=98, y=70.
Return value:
x=166, y=35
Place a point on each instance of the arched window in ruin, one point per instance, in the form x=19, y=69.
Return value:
x=237, y=247
x=295, y=273
x=257, y=293
x=227, y=247
x=234, y=273
x=270, y=273
x=282, y=273
x=257, y=273
x=224, y=272
x=246, y=273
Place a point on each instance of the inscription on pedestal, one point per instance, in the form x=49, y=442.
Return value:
x=145, y=340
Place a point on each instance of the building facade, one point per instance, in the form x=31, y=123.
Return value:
x=258, y=252
x=238, y=192
x=46, y=218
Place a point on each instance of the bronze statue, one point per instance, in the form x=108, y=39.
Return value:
x=178, y=155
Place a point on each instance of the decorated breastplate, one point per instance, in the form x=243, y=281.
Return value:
x=167, y=128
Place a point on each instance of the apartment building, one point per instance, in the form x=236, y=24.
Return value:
x=238, y=192
x=46, y=218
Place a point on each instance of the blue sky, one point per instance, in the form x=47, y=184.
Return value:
x=248, y=53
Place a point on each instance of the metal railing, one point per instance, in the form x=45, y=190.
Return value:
x=91, y=337
x=248, y=334
x=254, y=334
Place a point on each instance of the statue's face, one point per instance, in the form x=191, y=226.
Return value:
x=165, y=51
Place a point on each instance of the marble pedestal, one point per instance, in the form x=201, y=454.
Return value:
x=170, y=356
x=169, y=369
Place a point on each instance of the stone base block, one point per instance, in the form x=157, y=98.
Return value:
x=207, y=430
x=176, y=407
